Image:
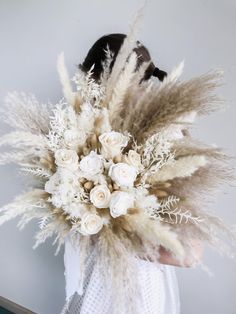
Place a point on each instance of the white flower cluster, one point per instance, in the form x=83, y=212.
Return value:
x=83, y=185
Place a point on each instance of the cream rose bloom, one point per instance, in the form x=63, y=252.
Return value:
x=120, y=203
x=100, y=196
x=123, y=174
x=112, y=143
x=74, y=138
x=133, y=159
x=91, y=165
x=66, y=158
x=90, y=224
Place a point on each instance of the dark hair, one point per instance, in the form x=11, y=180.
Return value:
x=97, y=55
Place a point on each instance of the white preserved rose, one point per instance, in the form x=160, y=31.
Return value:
x=112, y=143
x=66, y=158
x=120, y=202
x=90, y=224
x=91, y=165
x=74, y=138
x=123, y=174
x=100, y=196
x=134, y=159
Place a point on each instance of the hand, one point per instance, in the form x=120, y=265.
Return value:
x=166, y=256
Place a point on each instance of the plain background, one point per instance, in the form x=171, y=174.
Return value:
x=32, y=34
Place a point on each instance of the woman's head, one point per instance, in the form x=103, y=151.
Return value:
x=97, y=54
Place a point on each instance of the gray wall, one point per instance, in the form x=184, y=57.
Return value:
x=32, y=34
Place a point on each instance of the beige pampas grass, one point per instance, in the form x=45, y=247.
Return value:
x=146, y=229
x=127, y=47
x=183, y=167
x=18, y=139
x=22, y=204
x=65, y=80
x=121, y=87
x=25, y=113
x=161, y=105
x=174, y=75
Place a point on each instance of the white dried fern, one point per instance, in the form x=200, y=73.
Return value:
x=106, y=65
x=177, y=216
x=38, y=172
x=89, y=89
x=156, y=154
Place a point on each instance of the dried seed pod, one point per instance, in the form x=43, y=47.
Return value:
x=118, y=159
x=160, y=193
x=83, y=180
x=115, y=186
x=167, y=185
x=88, y=185
x=56, y=210
x=132, y=211
x=94, y=141
x=110, y=187
x=85, y=150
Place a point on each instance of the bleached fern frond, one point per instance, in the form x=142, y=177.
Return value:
x=177, y=216
x=106, y=65
x=43, y=222
x=155, y=148
x=45, y=233
x=25, y=113
x=156, y=154
x=38, y=172
x=65, y=80
x=34, y=213
x=183, y=167
x=86, y=118
x=62, y=119
x=89, y=89
x=170, y=213
x=169, y=202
